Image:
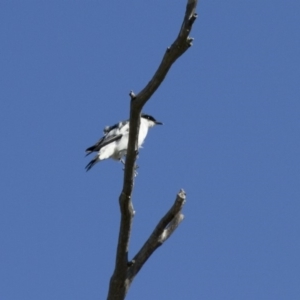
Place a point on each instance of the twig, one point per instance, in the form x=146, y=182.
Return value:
x=161, y=233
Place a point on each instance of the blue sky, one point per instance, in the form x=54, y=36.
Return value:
x=230, y=107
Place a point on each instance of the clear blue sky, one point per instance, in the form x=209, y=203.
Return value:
x=231, y=111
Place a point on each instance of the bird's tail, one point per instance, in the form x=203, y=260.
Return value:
x=91, y=163
x=90, y=150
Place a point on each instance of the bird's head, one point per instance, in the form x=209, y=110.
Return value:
x=151, y=121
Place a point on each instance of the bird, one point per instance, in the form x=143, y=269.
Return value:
x=114, y=143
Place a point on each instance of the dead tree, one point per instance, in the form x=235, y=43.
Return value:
x=126, y=270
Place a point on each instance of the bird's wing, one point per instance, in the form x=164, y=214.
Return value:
x=107, y=129
x=119, y=125
x=103, y=142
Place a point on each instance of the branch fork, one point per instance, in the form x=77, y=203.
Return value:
x=125, y=271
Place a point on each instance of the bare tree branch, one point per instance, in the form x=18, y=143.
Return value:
x=120, y=282
x=161, y=233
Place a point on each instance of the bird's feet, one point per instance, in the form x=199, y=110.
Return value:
x=135, y=170
x=135, y=167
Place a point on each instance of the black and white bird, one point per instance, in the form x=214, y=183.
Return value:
x=114, y=143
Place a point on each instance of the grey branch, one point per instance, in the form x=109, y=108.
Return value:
x=120, y=282
x=161, y=233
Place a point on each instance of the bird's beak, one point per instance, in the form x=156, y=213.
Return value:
x=158, y=123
